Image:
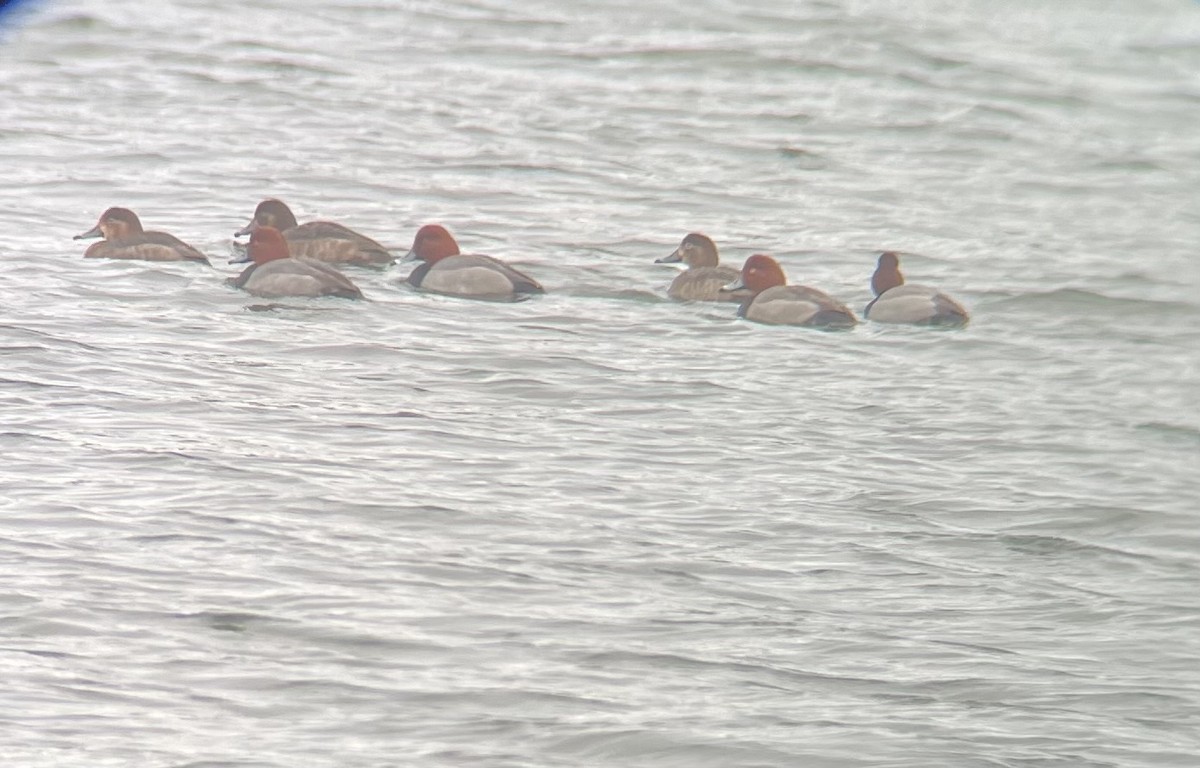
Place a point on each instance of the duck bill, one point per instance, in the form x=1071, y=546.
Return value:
x=674, y=258
x=93, y=232
x=253, y=225
x=736, y=285
x=410, y=256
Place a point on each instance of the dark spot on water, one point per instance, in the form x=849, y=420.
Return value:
x=225, y=621
x=804, y=158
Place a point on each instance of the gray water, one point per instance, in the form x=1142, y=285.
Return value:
x=600, y=528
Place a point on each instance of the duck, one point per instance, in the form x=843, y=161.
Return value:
x=774, y=302
x=899, y=302
x=275, y=273
x=318, y=240
x=124, y=238
x=704, y=277
x=448, y=271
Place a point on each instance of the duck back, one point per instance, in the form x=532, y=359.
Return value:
x=146, y=246
x=333, y=243
x=917, y=305
x=473, y=275
x=705, y=283
x=295, y=277
x=797, y=305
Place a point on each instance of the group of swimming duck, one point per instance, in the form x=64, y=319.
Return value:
x=291, y=259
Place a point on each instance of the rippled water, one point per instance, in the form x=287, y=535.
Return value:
x=600, y=528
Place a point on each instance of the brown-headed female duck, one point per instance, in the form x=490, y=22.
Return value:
x=897, y=302
x=704, y=278
x=469, y=275
x=318, y=240
x=774, y=302
x=124, y=238
x=275, y=274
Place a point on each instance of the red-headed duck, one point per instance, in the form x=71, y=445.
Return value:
x=457, y=274
x=897, y=302
x=124, y=238
x=703, y=279
x=275, y=273
x=774, y=302
x=318, y=240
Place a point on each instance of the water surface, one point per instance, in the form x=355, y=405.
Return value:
x=601, y=528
